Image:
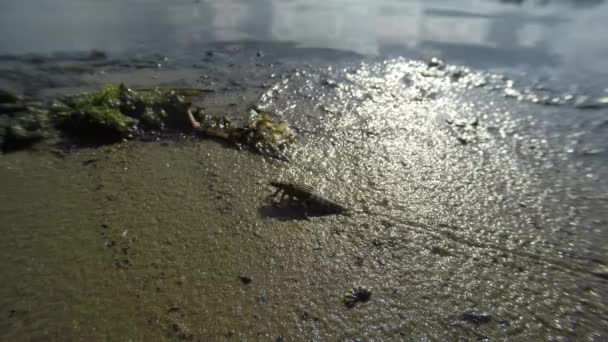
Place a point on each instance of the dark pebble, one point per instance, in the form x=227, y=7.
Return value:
x=359, y=261
x=476, y=316
x=245, y=279
x=89, y=161
x=329, y=83
x=377, y=243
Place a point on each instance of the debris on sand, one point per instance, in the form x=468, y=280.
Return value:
x=355, y=295
x=117, y=113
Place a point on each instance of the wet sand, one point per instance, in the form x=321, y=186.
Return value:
x=462, y=200
x=478, y=202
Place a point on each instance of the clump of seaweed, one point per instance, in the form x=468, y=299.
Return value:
x=97, y=116
x=269, y=136
x=263, y=134
x=271, y=131
x=117, y=113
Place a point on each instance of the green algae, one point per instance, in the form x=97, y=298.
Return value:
x=97, y=115
x=116, y=113
x=108, y=96
x=264, y=134
x=275, y=132
x=99, y=121
x=123, y=112
x=270, y=136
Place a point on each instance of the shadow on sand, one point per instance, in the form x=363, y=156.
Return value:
x=291, y=211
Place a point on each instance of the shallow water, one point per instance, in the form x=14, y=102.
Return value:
x=474, y=185
x=550, y=35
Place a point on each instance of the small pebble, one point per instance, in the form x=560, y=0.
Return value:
x=245, y=279
x=263, y=296
x=476, y=316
